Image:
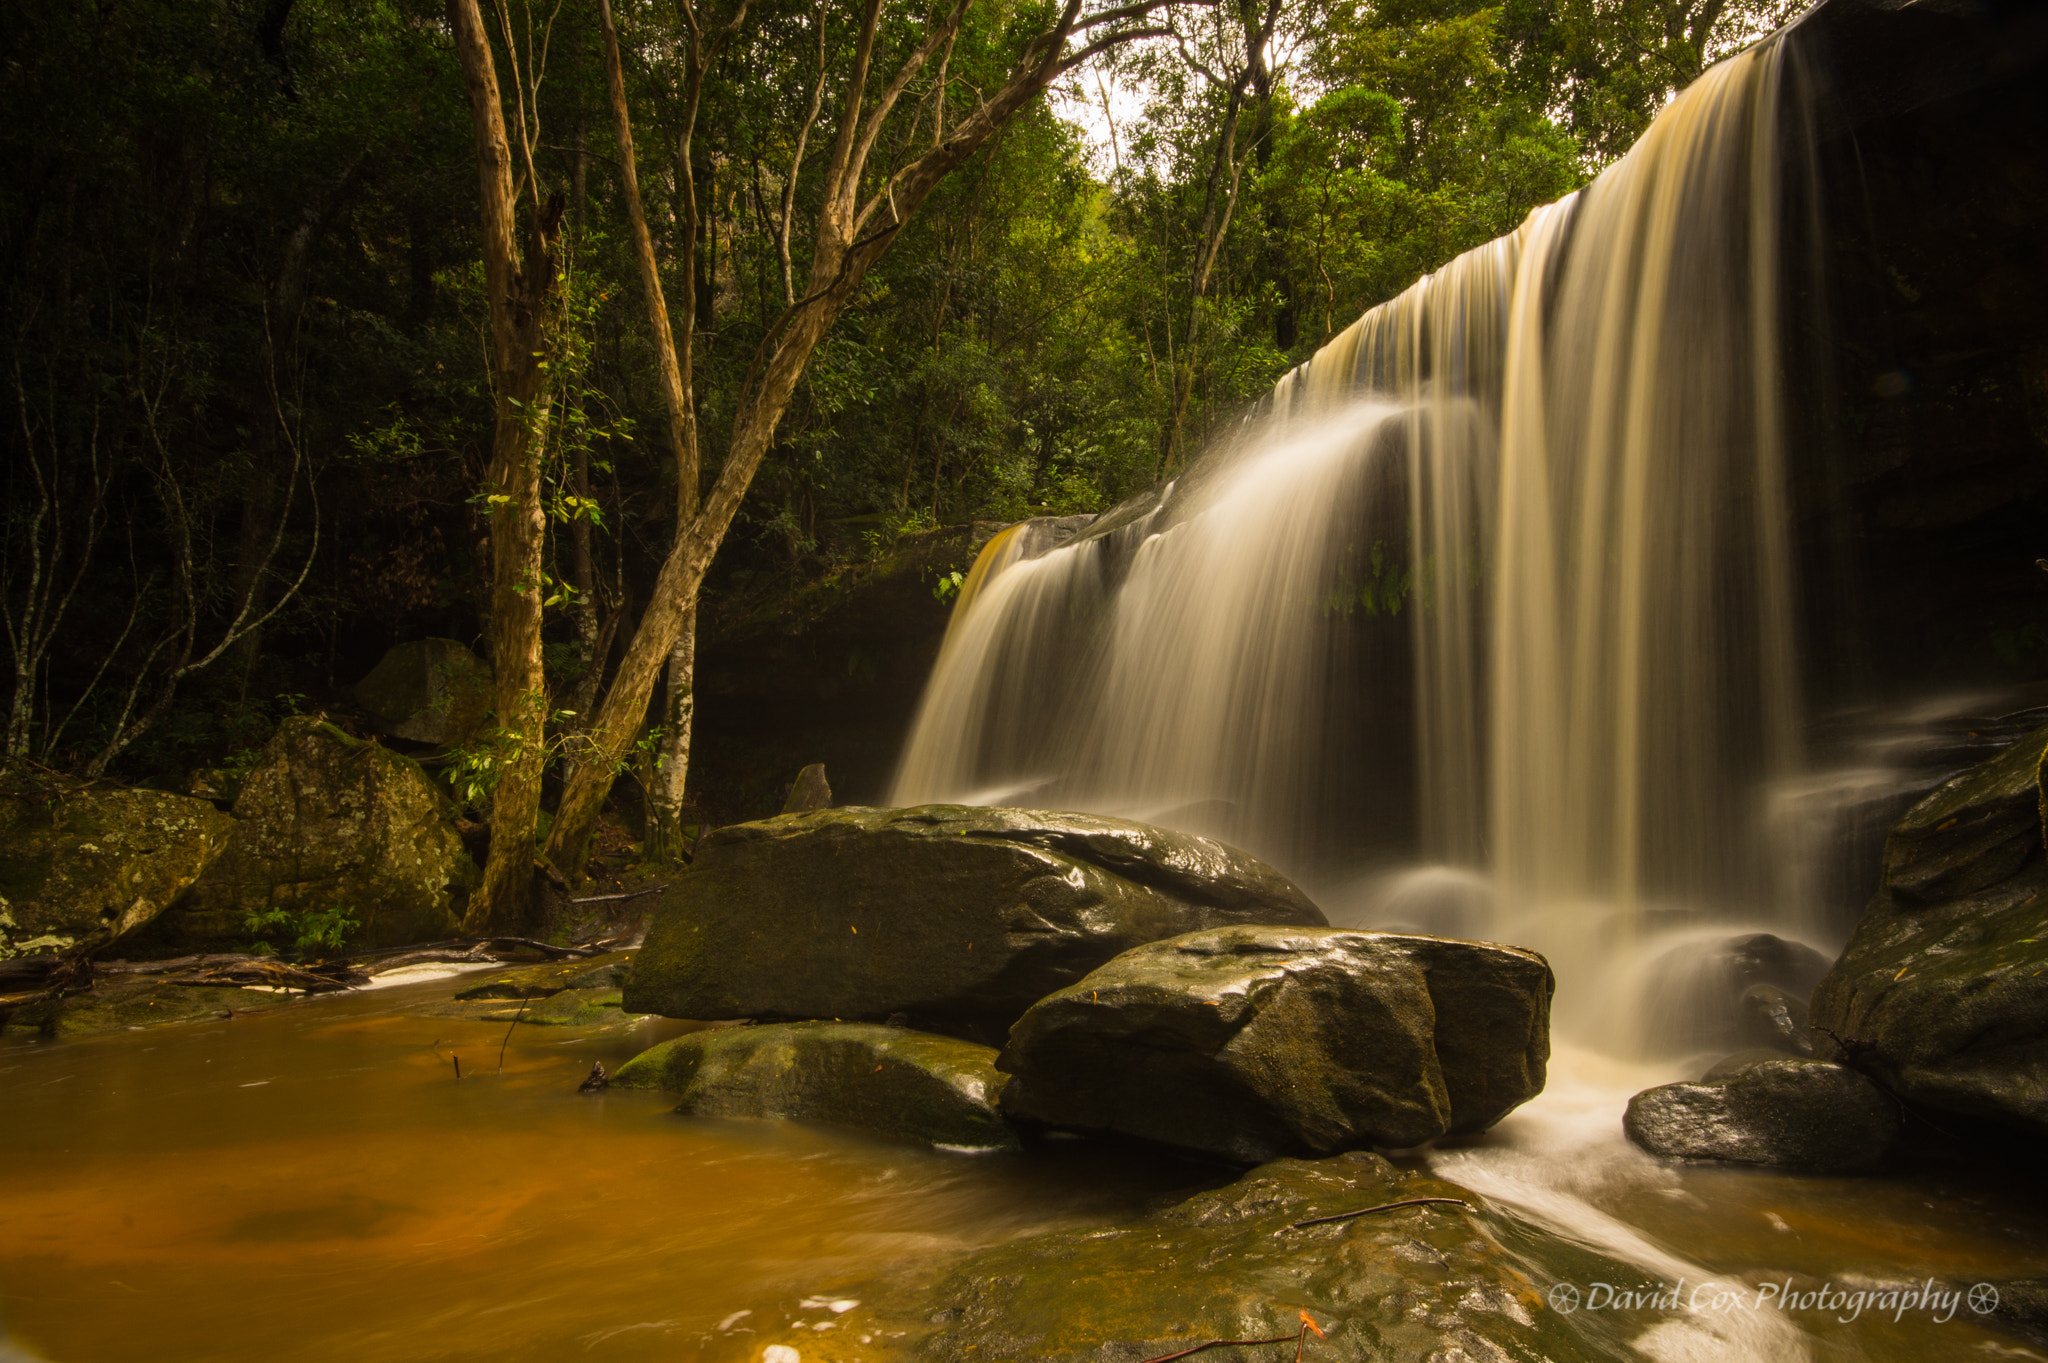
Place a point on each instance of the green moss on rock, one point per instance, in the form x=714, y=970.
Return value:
x=328, y=822
x=1436, y=1282
x=81, y=866
x=889, y=1080
x=118, y=1005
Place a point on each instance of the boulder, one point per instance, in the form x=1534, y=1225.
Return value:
x=1438, y=1281
x=1942, y=992
x=810, y=791
x=958, y=918
x=1770, y=1109
x=83, y=865
x=1247, y=1043
x=428, y=691
x=888, y=1080
x=1776, y=1019
x=1693, y=994
x=329, y=823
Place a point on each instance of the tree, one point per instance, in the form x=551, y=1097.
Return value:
x=521, y=276
x=853, y=228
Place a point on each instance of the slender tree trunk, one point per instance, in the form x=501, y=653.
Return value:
x=852, y=234
x=522, y=285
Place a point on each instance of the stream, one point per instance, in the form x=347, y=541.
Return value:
x=313, y=1183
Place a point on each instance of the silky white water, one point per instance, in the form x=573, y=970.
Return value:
x=1499, y=582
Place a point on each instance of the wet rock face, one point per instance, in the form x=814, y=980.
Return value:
x=1783, y=1111
x=81, y=866
x=957, y=918
x=911, y=1085
x=1247, y=1043
x=428, y=691
x=1439, y=1282
x=1942, y=992
x=325, y=823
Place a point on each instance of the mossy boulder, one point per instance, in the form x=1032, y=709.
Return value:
x=427, y=691
x=889, y=1080
x=1942, y=992
x=1770, y=1109
x=1247, y=1043
x=81, y=865
x=539, y=981
x=1436, y=1281
x=957, y=918
x=330, y=823
x=114, y=1005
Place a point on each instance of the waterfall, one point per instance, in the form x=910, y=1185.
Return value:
x=1499, y=581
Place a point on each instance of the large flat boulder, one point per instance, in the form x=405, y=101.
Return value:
x=82, y=865
x=329, y=823
x=1942, y=992
x=1437, y=1281
x=1784, y=1111
x=889, y=1080
x=1250, y=1043
x=957, y=918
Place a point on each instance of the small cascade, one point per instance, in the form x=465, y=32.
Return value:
x=1499, y=582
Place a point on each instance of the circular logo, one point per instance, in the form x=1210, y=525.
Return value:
x=1565, y=1298
x=1983, y=1299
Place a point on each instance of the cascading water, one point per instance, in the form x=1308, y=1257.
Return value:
x=1499, y=581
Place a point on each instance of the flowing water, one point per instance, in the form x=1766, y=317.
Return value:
x=1484, y=626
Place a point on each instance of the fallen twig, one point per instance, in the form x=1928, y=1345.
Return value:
x=508, y=1035
x=1367, y=1211
x=615, y=898
x=1222, y=1343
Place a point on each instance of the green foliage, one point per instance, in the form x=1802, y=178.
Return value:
x=948, y=588
x=311, y=933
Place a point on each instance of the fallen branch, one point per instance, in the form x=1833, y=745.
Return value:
x=1367, y=1211
x=616, y=898
x=1218, y=1344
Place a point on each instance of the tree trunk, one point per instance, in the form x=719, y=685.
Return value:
x=679, y=712
x=522, y=286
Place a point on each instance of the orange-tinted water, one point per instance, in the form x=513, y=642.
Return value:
x=312, y=1183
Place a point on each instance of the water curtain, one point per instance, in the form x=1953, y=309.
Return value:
x=1501, y=578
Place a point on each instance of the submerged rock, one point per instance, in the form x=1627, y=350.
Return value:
x=114, y=1005
x=958, y=918
x=567, y=1008
x=539, y=981
x=81, y=866
x=1763, y=1108
x=1942, y=992
x=1249, y=1043
x=428, y=691
x=912, y=1085
x=327, y=823
x=1438, y=1282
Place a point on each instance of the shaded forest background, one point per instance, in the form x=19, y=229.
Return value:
x=243, y=322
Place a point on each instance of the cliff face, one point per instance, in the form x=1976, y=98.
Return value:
x=1924, y=476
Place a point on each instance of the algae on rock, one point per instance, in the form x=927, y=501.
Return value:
x=1942, y=993
x=82, y=865
x=889, y=1080
x=1438, y=1282
x=329, y=822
